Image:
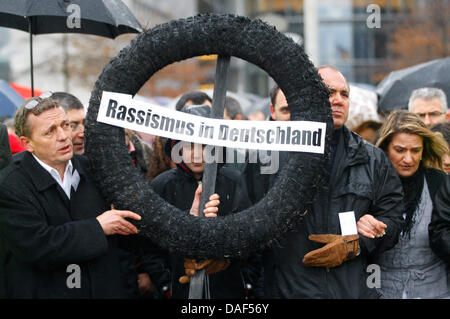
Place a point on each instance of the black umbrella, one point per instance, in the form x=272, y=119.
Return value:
x=107, y=18
x=394, y=91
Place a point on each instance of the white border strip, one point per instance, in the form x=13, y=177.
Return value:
x=299, y=136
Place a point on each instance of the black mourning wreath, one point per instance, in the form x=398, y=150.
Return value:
x=297, y=183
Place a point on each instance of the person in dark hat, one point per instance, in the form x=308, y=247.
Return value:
x=178, y=186
x=193, y=98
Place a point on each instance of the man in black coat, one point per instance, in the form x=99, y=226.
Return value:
x=361, y=180
x=56, y=232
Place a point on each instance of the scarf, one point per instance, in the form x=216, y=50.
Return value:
x=412, y=189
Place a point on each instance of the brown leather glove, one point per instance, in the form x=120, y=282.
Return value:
x=338, y=249
x=212, y=266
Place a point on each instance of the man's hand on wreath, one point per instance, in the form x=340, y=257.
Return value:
x=211, y=266
x=338, y=249
x=114, y=222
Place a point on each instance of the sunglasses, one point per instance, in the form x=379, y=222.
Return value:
x=35, y=102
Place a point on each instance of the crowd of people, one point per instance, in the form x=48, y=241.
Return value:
x=59, y=238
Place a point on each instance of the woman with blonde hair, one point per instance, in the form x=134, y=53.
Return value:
x=411, y=269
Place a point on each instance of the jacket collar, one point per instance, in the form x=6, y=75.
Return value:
x=356, y=151
x=182, y=167
x=39, y=176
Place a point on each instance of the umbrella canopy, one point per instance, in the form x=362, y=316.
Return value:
x=394, y=91
x=10, y=100
x=107, y=18
x=25, y=91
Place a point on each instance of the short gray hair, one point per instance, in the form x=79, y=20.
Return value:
x=428, y=94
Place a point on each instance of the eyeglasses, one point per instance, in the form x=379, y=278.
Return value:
x=283, y=108
x=434, y=114
x=77, y=126
x=35, y=102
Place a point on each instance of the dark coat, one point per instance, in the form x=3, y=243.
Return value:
x=177, y=187
x=42, y=232
x=5, y=149
x=362, y=180
x=439, y=228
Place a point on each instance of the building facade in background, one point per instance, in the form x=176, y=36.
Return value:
x=366, y=39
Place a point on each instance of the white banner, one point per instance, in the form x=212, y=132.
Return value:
x=299, y=136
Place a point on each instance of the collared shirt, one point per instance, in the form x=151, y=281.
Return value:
x=71, y=176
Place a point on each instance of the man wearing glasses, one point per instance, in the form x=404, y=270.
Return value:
x=56, y=231
x=76, y=115
x=430, y=104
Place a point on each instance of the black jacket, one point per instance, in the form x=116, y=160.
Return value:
x=42, y=232
x=439, y=228
x=5, y=149
x=177, y=187
x=362, y=180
